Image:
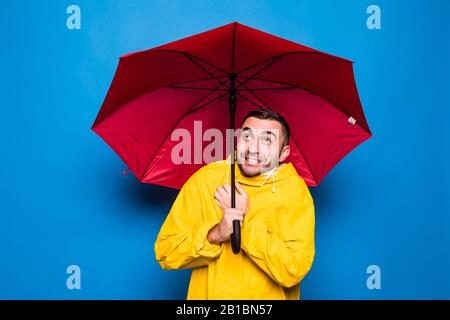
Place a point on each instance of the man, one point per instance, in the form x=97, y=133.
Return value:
x=273, y=205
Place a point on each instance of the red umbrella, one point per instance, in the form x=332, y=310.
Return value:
x=217, y=77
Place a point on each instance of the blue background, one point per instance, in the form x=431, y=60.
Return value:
x=64, y=200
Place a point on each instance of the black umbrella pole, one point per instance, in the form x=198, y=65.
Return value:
x=236, y=235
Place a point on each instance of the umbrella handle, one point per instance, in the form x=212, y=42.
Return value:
x=236, y=237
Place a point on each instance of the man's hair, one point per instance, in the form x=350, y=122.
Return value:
x=266, y=114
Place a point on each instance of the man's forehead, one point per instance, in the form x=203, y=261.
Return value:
x=261, y=124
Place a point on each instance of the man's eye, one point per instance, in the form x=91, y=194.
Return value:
x=267, y=139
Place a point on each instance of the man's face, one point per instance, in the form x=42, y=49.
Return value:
x=259, y=146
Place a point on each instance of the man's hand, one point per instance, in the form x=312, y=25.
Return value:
x=223, y=197
x=222, y=231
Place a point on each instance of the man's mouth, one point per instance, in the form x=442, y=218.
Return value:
x=252, y=161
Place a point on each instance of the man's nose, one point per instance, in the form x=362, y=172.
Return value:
x=253, y=146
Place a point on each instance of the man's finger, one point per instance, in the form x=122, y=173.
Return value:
x=227, y=188
x=221, y=191
x=240, y=189
x=217, y=196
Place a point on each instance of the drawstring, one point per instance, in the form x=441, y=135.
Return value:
x=273, y=183
x=272, y=175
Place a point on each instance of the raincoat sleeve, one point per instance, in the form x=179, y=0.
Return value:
x=182, y=241
x=284, y=250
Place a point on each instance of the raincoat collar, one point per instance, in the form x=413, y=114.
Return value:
x=283, y=171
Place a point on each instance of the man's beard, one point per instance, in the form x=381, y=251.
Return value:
x=249, y=174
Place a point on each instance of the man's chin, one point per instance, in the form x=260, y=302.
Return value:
x=249, y=171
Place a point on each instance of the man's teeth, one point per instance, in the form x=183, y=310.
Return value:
x=252, y=161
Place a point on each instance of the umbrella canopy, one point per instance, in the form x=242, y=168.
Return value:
x=217, y=77
x=157, y=91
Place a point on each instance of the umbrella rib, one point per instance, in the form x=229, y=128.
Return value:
x=272, y=81
x=288, y=53
x=195, y=106
x=252, y=102
x=195, y=88
x=263, y=89
x=233, y=48
x=204, y=69
x=197, y=58
x=207, y=103
x=293, y=140
x=261, y=62
x=259, y=71
x=196, y=80
x=208, y=63
x=167, y=86
x=313, y=93
x=178, y=121
x=299, y=87
x=254, y=94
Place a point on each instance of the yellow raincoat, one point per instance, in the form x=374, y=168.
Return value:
x=277, y=236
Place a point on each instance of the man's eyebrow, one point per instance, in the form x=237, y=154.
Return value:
x=248, y=130
x=268, y=132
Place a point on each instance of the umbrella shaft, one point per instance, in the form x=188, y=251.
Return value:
x=232, y=106
x=236, y=235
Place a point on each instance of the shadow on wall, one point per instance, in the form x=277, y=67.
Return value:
x=148, y=196
x=325, y=197
x=154, y=202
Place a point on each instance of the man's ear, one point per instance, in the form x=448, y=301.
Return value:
x=285, y=151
